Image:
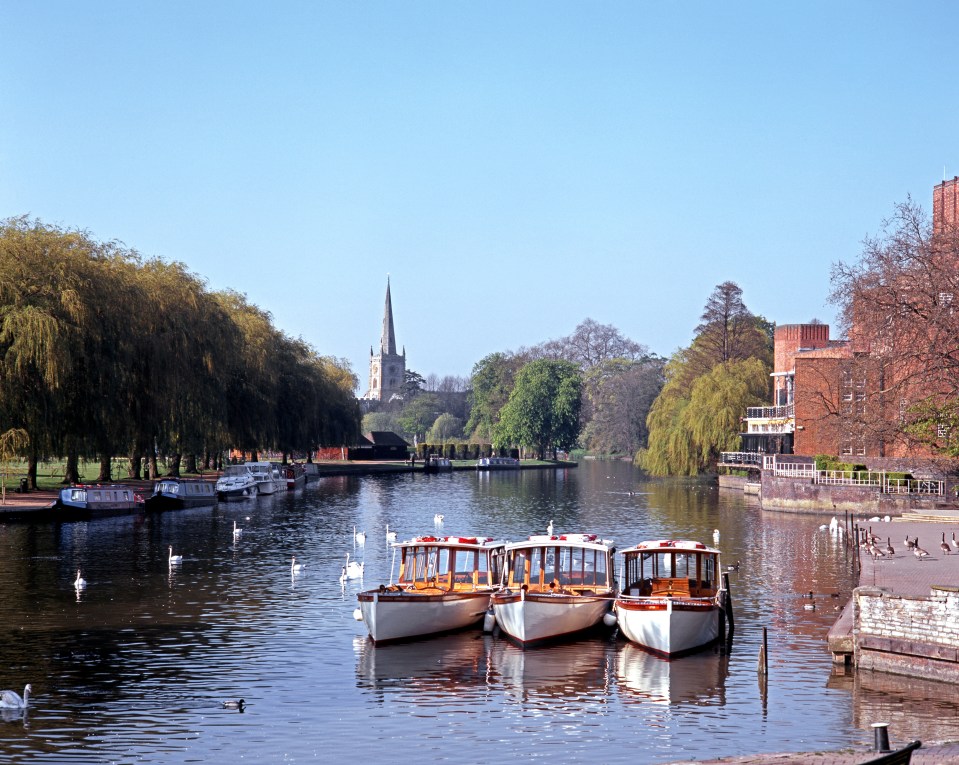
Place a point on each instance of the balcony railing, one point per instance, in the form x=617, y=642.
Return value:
x=740, y=458
x=770, y=412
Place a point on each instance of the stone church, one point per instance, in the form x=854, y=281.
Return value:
x=387, y=368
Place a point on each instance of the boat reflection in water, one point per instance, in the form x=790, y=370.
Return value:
x=561, y=672
x=696, y=679
x=435, y=665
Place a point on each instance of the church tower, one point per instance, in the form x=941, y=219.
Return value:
x=387, y=368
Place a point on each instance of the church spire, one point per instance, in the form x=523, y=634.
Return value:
x=388, y=341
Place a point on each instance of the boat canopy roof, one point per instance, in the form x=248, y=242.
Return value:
x=670, y=545
x=588, y=541
x=450, y=541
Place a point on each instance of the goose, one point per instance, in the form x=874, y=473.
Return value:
x=943, y=545
x=174, y=559
x=549, y=528
x=955, y=543
x=80, y=582
x=919, y=552
x=12, y=700
x=910, y=545
x=295, y=568
x=234, y=704
x=890, y=550
x=390, y=535
x=236, y=531
x=352, y=569
x=876, y=552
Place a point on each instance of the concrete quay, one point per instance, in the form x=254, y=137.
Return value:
x=936, y=754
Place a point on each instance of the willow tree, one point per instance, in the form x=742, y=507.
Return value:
x=43, y=311
x=689, y=427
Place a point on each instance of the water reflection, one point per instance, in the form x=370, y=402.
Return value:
x=696, y=679
x=913, y=707
x=138, y=668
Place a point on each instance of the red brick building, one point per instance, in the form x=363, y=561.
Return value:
x=852, y=398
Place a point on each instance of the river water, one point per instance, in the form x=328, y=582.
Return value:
x=135, y=668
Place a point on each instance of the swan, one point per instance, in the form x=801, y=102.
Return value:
x=12, y=700
x=295, y=567
x=438, y=519
x=174, y=559
x=234, y=704
x=352, y=569
x=359, y=537
x=236, y=531
x=549, y=528
x=80, y=582
x=715, y=536
x=390, y=535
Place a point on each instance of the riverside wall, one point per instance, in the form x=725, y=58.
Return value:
x=907, y=634
x=801, y=495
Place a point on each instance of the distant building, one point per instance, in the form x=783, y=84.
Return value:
x=387, y=368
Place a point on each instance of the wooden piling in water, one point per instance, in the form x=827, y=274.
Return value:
x=763, y=664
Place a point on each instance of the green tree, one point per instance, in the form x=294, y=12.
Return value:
x=445, y=427
x=544, y=407
x=418, y=415
x=490, y=386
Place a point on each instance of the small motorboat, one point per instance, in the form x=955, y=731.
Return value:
x=237, y=482
x=177, y=493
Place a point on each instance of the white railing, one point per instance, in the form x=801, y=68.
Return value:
x=875, y=479
x=913, y=486
x=740, y=458
x=770, y=412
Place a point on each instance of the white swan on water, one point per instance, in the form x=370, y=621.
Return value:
x=80, y=582
x=359, y=537
x=352, y=569
x=12, y=700
x=174, y=559
x=236, y=531
x=295, y=568
x=390, y=535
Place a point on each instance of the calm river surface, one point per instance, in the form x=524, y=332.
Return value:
x=136, y=667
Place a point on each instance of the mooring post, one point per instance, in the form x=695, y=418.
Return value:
x=728, y=607
x=763, y=664
x=881, y=737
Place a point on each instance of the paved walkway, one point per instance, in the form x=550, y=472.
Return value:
x=903, y=573
x=937, y=754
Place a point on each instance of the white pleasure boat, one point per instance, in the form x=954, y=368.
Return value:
x=555, y=586
x=267, y=477
x=671, y=597
x=237, y=482
x=444, y=584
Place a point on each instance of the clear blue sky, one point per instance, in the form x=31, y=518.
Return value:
x=515, y=167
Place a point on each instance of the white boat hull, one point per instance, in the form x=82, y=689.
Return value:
x=395, y=615
x=669, y=626
x=533, y=617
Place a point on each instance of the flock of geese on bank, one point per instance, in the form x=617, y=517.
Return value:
x=872, y=544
